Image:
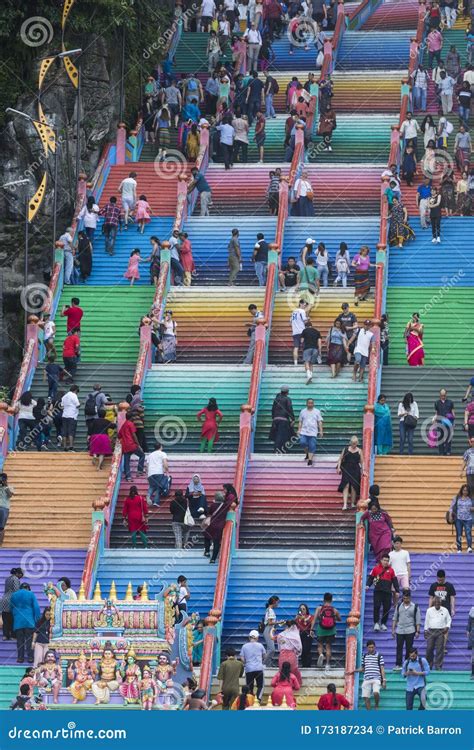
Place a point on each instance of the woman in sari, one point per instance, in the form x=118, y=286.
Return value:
x=429, y=160
x=463, y=199
x=400, y=230
x=414, y=338
x=380, y=529
x=84, y=256
x=362, y=264
x=383, y=426
x=448, y=195
x=290, y=648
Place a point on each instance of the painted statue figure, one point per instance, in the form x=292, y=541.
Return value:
x=148, y=689
x=81, y=673
x=50, y=675
x=108, y=616
x=130, y=674
x=164, y=672
x=107, y=671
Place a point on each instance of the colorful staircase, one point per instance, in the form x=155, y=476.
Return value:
x=397, y=15
x=383, y=50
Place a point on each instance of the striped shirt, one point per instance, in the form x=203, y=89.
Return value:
x=371, y=664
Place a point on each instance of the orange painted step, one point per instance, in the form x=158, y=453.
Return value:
x=157, y=181
x=52, y=505
x=417, y=492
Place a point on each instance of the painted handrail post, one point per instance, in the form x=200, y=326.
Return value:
x=181, y=202
x=121, y=143
x=4, y=438
x=394, y=156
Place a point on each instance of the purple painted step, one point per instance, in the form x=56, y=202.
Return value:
x=39, y=566
x=460, y=572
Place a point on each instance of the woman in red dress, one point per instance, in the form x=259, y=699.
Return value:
x=135, y=512
x=210, y=418
x=283, y=685
x=332, y=701
x=186, y=257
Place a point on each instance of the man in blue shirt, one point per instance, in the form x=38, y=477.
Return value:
x=198, y=182
x=422, y=196
x=415, y=670
x=26, y=613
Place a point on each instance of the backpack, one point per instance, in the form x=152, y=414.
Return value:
x=192, y=85
x=327, y=617
x=261, y=626
x=275, y=86
x=90, y=407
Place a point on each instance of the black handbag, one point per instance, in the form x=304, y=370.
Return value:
x=410, y=421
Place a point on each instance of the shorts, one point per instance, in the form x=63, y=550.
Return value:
x=260, y=139
x=361, y=359
x=310, y=355
x=309, y=442
x=69, y=427
x=326, y=639
x=173, y=109
x=369, y=687
x=128, y=203
x=297, y=339
x=403, y=581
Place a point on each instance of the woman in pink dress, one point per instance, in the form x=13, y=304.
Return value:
x=290, y=648
x=362, y=264
x=414, y=338
x=283, y=685
x=210, y=417
x=186, y=257
x=132, y=271
x=142, y=213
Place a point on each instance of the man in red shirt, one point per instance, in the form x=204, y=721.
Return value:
x=383, y=577
x=71, y=353
x=74, y=314
x=130, y=445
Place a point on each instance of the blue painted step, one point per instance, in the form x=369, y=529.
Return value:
x=421, y=263
x=374, y=50
x=296, y=576
x=107, y=270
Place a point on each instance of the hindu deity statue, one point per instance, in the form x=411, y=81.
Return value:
x=81, y=672
x=109, y=616
x=171, y=611
x=50, y=675
x=148, y=689
x=164, y=672
x=130, y=674
x=107, y=669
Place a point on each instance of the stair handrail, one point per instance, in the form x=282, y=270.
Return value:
x=355, y=618
x=186, y=205
x=330, y=50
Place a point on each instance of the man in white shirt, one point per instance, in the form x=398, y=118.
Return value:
x=446, y=88
x=310, y=424
x=437, y=624
x=70, y=405
x=157, y=470
x=298, y=320
x=254, y=41
x=361, y=351
x=230, y=12
x=409, y=129
x=400, y=562
x=208, y=10
x=49, y=332
x=227, y=134
x=420, y=89
x=128, y=191
x=469, y=76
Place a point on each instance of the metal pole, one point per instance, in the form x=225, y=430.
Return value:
x=25, y=279
x=78, y=126
x=122, y=78
x=55, y=199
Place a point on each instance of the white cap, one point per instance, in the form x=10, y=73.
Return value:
x=203, y=121
x=253, y=634
x=310, y=241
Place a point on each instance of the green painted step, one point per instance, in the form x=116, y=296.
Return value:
x=341, y=402
x=445, y=690
x=174, y=394
x=9, y=681
x=109, y=328
x=448, y=316
x=190, y=56
x=357, y=138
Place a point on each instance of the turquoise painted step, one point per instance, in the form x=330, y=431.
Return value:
x=9, y=684
x=422, y=264
x=109, y=327
x=445, y=691
x=296, y=576
x=108, y=269
x=174, y=394
x=357, y=139
x=448, y=315
x=159, y=568
x=341, y=402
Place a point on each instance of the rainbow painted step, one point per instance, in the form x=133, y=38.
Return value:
x=374, y=50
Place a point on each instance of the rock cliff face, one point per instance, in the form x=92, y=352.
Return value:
x=22, y=157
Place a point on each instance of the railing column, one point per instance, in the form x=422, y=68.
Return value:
x=121, y=143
